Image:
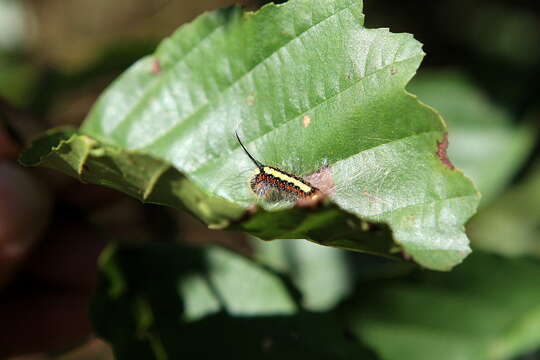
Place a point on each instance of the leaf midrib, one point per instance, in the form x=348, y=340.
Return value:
x=225, y=154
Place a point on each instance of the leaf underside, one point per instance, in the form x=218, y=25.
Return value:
x=307, y=87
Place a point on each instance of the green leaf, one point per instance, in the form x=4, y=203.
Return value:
x=511, y=225
x=139, y=175
x=487, y=309
x=311, y=268
x=482, y=139
x=163, y=301
x=308, y=88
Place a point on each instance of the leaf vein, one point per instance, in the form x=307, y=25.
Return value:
x=149, y=91
x=263, y=62
x=423, y=204
x=314, y=107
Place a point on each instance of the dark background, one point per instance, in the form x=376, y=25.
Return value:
x=57, y=56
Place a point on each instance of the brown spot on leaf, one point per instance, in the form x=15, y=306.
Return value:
x=156, y=66
x=393, y=71
x=442, y=146
x=307, y=120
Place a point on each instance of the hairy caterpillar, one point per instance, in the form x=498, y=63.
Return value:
x=273, y=184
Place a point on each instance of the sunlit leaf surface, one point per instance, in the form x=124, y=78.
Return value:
x=307, y=87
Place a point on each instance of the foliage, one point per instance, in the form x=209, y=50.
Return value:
x=154, y=295
x=483, y=140
x=462, y=315
x=325, y=95
x=313, y=91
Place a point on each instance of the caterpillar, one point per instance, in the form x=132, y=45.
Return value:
x=273, y=184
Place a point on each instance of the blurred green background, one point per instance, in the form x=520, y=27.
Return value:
x=481, y=71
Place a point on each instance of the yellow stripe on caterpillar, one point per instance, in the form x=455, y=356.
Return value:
x=284, y=177
x=275, y=185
